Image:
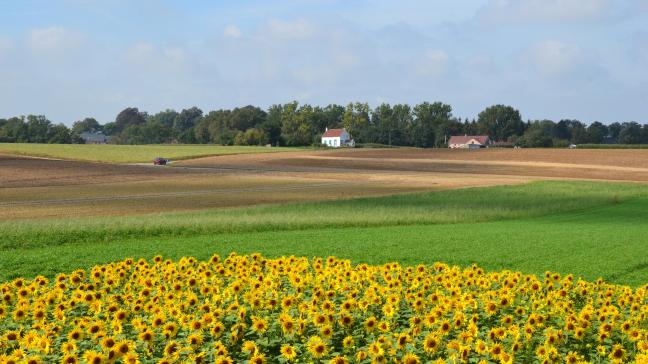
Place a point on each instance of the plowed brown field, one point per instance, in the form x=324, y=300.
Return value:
x=46, y=188
x=597, y=164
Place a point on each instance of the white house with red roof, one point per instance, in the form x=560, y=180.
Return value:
x=469, y=141
x=336, y=138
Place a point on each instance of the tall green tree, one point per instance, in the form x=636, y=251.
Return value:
x=218, y=124
x=164, y=118
x=630, y=133
x=578, y=132
x=38, y=128
x=183, y=124
x=428, y=121
x=90, y=125
x=391, y=123
x=500, y=122
x=244, y=118
x=129, y=116
x=469, y=126
x=162, y=123
x=614, y=130
x=14, y=130
x=563, y=130
x=644, y=134
x=356, y=120
x=538, y=134
x=402, y=119
x=295, y=129
x=382, y=120
x=201, y=131
x=332, y=117
x=251, y=136
x=60, y=134
x=596, y=132
x=272, y=124
x=110, y=128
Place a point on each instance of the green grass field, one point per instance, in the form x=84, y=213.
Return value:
x=111, y=153
x=589, y=229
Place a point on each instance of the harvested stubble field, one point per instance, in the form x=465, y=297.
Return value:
x=62, y=215
x=178, y=192
x=48, y=188
x=616, y=165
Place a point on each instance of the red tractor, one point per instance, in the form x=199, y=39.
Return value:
x=159, y=161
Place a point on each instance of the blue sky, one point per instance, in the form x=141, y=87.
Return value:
x=68, y=59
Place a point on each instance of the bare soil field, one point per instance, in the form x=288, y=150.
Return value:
x=599, y=157
x=48, y=188
x=45, y=188
x=613, y=165
x=17, y=171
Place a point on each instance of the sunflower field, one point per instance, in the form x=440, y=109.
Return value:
x=251, y=309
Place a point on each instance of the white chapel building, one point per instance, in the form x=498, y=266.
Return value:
x=336, y=138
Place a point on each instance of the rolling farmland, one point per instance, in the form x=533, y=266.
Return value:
x=272, y=202
x=514, y=229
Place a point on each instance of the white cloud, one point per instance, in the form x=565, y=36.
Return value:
x=544, y=10
x=553, y=58
x=176, y=55
x=643, y=53
x=141, y=52
x=346, y=58
x=6, y=46
x=311, y=74
x=5, y=43
x=54, y=40
x=147, y=52
x=480, y=65
x=232, y=31
x=434, y=63
x=296, y=29
x=639, y=49
x=146, y=58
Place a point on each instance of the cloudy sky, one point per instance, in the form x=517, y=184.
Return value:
x=68, y=59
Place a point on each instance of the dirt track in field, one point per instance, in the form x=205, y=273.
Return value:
x=42, y=188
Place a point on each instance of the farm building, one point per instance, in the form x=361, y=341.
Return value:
x=469, y=141
x=336, y=138
x=94, y=138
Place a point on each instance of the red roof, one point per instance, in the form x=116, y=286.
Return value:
x=333, y=133
x=464, y=139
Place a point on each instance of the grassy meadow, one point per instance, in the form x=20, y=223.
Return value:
x=111, y=153
x=586, y=228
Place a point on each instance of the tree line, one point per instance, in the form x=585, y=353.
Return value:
x=292, y=124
